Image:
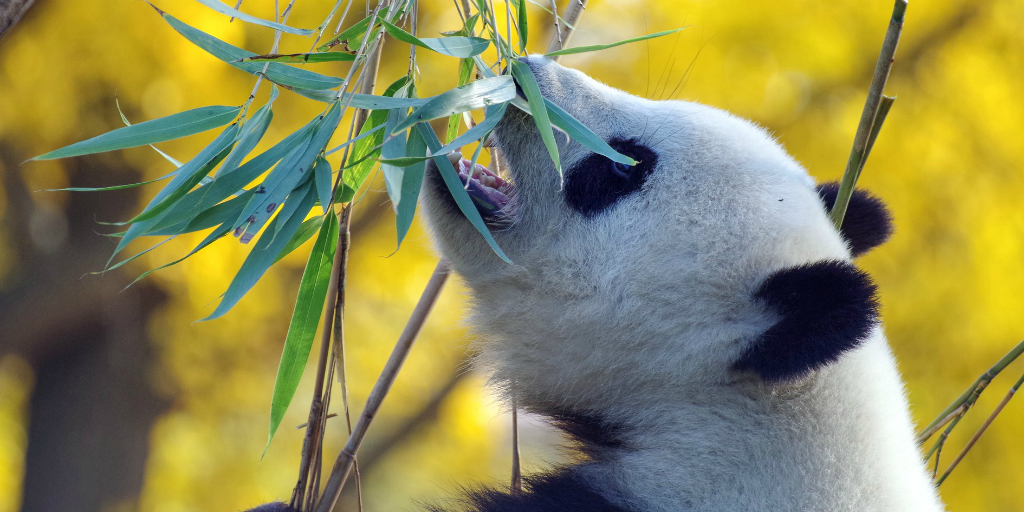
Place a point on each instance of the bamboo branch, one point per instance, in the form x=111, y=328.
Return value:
x=981, y=430
x=346, y=459
x=870, y=120
x=970, y=395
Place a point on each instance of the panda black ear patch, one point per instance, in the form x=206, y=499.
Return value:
x=867, y=223
x=825, y=309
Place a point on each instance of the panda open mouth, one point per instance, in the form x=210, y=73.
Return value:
x=490, y=192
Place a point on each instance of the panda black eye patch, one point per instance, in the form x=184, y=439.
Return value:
x=596, y=183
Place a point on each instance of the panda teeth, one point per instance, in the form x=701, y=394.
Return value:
x=488, y=190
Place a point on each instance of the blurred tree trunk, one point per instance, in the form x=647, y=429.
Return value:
x=93, y=403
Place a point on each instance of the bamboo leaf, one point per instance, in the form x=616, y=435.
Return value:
x=278, y=233
x=347, y=34
x=167, y=128
x=493, y=114
x=292, y=171
x=393, y=159
x=306, y=231
x=474, y=95
x=360, y=161
x=412, y=181
x=524, y=32
x=322, y=178
x=309, y=306
x=580, y=133
x=596, y=47
x=403, y=161
x=454, y=46
x=276, y=72
x=459, y=194
x=364, y=101
x=466, y=67
x=528, y=82
x=303, y=58
x=235, y=13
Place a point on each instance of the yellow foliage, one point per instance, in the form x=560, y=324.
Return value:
x=949, y=163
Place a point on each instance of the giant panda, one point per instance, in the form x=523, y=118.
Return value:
x=694, y=322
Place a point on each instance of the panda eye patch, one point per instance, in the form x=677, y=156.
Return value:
x=596, y=183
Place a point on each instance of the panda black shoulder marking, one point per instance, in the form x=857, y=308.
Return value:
x=825, y=309
x=562, y=490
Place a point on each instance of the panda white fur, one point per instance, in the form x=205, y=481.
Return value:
x=694, y=321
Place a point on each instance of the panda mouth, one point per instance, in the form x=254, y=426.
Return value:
x=491, y=194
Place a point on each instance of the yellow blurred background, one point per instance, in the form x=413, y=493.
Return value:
x=119, y=401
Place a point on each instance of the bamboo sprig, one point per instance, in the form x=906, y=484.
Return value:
x=872, y=117
x=346, y=459
x=970, y=395
x=981, y=430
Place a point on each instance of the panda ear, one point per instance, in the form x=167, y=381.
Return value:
x=867, y=223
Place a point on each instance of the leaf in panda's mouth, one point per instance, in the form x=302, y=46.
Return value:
x=488, y=190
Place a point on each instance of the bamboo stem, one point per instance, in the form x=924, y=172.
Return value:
x=565, y=30
x=346, y=459
x=869, y=117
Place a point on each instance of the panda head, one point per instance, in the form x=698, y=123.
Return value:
x=630, y=280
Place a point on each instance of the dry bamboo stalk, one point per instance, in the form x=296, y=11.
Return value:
x=565, y=30
x=346, y=459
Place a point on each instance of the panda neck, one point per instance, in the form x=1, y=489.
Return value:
x=845, y=434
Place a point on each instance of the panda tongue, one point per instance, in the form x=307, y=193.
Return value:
x=488, y=190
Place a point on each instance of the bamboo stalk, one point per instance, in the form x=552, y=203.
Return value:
x=870, y=121
x=565, y=30
x=346, y=459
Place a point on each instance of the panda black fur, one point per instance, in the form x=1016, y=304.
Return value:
x=694, y=321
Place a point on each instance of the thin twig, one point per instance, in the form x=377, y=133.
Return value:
x=517, y=470
x=869, y=119
x=971, y=394
x=346, y=459
x=280, y=18
x=981, y=430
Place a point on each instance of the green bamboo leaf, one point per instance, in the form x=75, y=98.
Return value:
x=309, y=306
x=455, y=46
x=306, y=231
x=459, y=194
x=474, y=95
x=269, y=245
x=235, y=13
x=303, y=58
x=226, y=184
x=112, y=187
x=528, y=82
x=580, y=133
x=353, y=140
x=596, y=47
x=322, y=177
x=412, y=181
x=392, y=152
x=220, y=213
x=167, y=128
x=492, y=115
x=276, y=72
x=289, y=174
x=167, y=157
x=189, y=174
x=346, y=35
x=524, y=31
x=250, y=135
x=360, y=161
